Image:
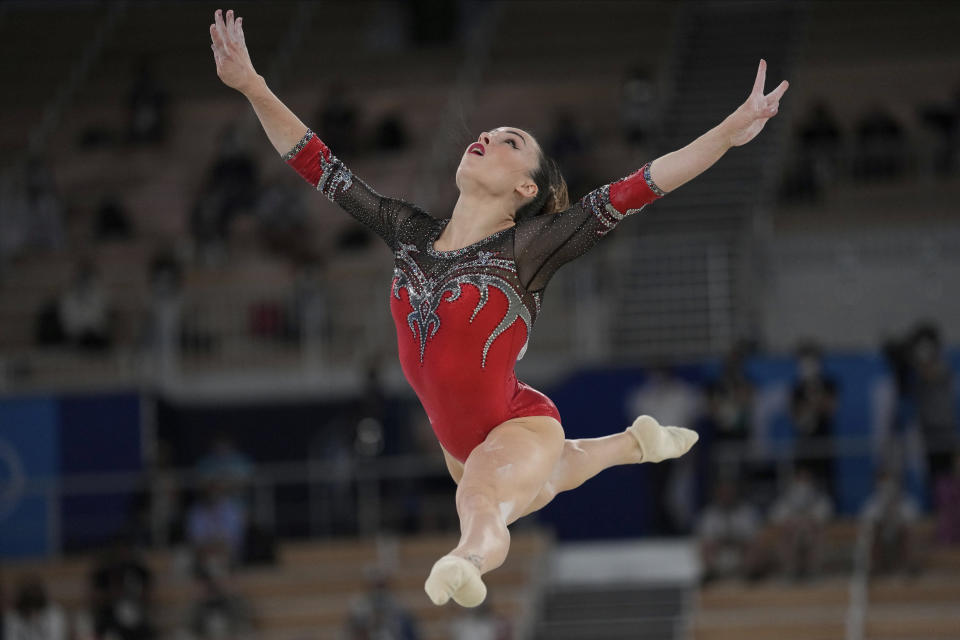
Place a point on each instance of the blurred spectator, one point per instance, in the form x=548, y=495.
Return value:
x=894, y=516
x=480, y=623
x=226, y=465
x=148, y=106
x=163, y=332
x=800, y=515
x=282, y=222
x=432, y=22
x=391, y=133
x=308, y=312
x=728, y=533
x=31, y=211
x=730, y=401
x=667, y=397
x=112, y=221
x=943, y=121
x=673, y=401
x=339, y=120
x=216, y=525
x=232, y=185
x=812, y=409
x=332, y=450
x=159, y=516
x=931, y=388
x=638, y=106
x=819, y=151
x=567, y=145
x=34, y=616
x=378, y=614
x=121, y=595
x=881, y=146
x=84, y=310
x=219, y=612
x=947, y=505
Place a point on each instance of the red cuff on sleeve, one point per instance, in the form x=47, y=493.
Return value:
x=634, y=191
x=309, y=158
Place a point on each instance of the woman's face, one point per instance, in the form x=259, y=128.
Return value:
x=499, y=163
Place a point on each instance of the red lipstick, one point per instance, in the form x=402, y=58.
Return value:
x=476, y=148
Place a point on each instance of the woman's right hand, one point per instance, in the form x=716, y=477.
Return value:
x=234, y=67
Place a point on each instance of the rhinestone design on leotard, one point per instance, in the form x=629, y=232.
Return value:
x=456, y=253
x=335, y=178
x=426, y=294
x=598, y=203
x=650, y=183
x=519, y=260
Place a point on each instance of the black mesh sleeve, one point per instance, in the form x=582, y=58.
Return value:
x=312, y=159
x=546, y=242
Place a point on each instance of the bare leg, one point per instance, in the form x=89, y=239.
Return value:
x=500, y=478
x=646, y=440
x=580, y=460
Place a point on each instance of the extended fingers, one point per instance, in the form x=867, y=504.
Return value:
x=220, y=27
x=777, y=93
x=761, y=77
x=233, y=26
x=215, y=37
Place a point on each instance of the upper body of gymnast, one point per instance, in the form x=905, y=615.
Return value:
x=466, y=291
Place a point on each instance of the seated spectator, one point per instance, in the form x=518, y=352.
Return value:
x=813, y=407
x=894, y=516
x=567, y=145
x=282, y=222
x=31, y=211
x=481, y=623
x=232, y=185
x=219, y=612
x=931, y=389
x=638, y=106
x=163, y=313
x=378, y=614
x=226, y=464
x=339, y=120
x=216, y=525
x=391, y=133
x=729, y=412
x=34, y=616
x=148, y=106
x=674, y=401
x=800, y=515
x=728, y=533
x=947, y=505
x=84, y=310
x=121, y=596
x=881, y=146
x=112, y=221
x=943, y=120
x=819, y=150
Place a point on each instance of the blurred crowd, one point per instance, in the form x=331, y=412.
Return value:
x=751, y=527
x=879, y=146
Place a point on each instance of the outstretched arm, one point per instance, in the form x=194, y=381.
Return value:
x=235, y=69
x=740, y=127
x=545, y=243
x=298, y=146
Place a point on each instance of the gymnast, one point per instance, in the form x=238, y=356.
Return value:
x=466, y=291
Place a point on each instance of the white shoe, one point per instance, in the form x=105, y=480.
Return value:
x=659, y=443
x=457, y=578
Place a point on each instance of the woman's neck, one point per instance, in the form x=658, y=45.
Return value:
x=474, y=218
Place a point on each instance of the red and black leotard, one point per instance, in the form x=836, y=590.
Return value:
x=463, y=317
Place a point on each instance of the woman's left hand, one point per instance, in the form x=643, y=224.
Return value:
x=746, y=122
